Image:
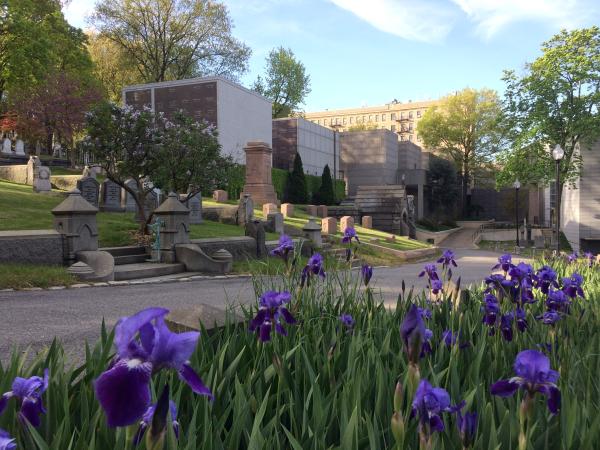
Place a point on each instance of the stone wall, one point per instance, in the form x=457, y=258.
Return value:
x=241, y=247
x=64, y=182
x=31, y=246
x=15, y=173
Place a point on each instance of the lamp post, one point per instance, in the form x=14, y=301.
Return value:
x=558, y=154
x=517, y=186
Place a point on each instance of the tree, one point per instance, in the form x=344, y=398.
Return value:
x=296, y=189
x=173, y=39
x=54, y=110
x=556, y=101
x=189, y=156
x=286, y=83
x=325, y=194
x=444, y=187
x=35, y=39
x=465, y=127
x=111, y=66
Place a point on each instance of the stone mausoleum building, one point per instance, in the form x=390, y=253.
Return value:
x=240, y=115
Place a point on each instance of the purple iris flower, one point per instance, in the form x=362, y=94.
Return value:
x=549, y=317
x=431, y=271
x=426, y=349
x=558, y=301
x=450, y=339
x=533, y=374
x=313, y=267
x=425, y=313
x=347, y=321
x=6, y=442
x=506, y=326
x=491, y=309
x=349, y=234
x=413, y=333
x=286, y=245
x=145, y=345
x=572, y=286
x=146, y=422
x=29, y=392
x=467, y=428
x=546, y=278
x=521, y=319
x=429, y=403
x=366, y=272
x=590, y=258
x=270, y=312
x=447, y=259
x=436, y=286
x=504, y=261
x=572, y=257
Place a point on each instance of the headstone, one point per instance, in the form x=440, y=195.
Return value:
x=245, y=210
x=32, y=166
x=87, y=172
x=111, y=196
x=345, y=222
x=127, y=201
x=7, y=146
x=220, y=196
x=539, y=242
x=256, y=230
x=329, y=225
x=41, y=179
x=269, y=208
x=259, y=161
x=275, y=221
x=287, y=209
x=322, y=211
x=367, y=222
x=89, y=189
x=20, y=148
x=194, y=204
x=311, y=210
x=312, y=232
x=150, y=204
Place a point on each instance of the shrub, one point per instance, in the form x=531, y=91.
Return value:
x=325, y=195
x=296, y=189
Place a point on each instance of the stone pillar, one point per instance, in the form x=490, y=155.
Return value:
x=175, y=218
x=311, y=210
x=75, y=219
x=367, y=222
x=269, y=208
x=322, y=211
x=258, y=173
x=345, y=222
x=287, y=209
x=329, y=225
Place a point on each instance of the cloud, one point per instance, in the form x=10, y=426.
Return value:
x=490, y=16
x=416, y=20
x=77, y=11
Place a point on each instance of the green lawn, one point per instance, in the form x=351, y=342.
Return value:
x=21, y=276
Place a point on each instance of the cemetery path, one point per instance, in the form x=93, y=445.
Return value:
x=34, y=318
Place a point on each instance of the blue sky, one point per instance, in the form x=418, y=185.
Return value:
x=369, y=52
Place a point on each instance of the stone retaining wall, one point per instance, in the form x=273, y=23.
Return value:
x=16, y=173
x=31, y=246
x=241, y=247
x=64, y=182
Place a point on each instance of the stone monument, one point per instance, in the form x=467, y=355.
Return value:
x=258, y=173
x=329, y=225
x=175, y=218
x=311, y=210
x=20, y=147
x=256, y=230
x=7, y=146
x=220, y=196
x=127, y=201
x=367, y=222
x=41, y=179
x=89, y=188
x=269, y=208
x=287, y=209
x=275, y=222
x=345, y=222
x=194, y=204
x=245, y=211
x=322, y=211
x=111, y=196
x=312, y=232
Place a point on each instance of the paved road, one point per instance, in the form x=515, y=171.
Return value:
x=34, y=318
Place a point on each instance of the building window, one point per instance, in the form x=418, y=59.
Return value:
x=401, y=137
x=410, y=115
x=418, y=113
x=343, y=121
x=376, y=117
x=402, y=115
x=324, y=121
x=383, y=117
x=364, y=119
x=410, y=137
x=370, y=117
x=350, y=119
x=393, y=128
x=393, y=116
x=410, y=127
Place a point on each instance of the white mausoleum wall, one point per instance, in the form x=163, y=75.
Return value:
x=315, y=145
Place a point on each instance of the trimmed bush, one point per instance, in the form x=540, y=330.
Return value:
x=296, y=186
x=324, y=195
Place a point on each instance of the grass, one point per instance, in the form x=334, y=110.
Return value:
x=21, y=276
x=325, y=387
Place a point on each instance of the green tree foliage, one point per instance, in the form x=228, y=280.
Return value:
x=296, y=190
x=173, y=39
x=286, y=83
x=556, y=101
x=325, y=195
x=444, y=187
x=35, y=40
x=465, y=127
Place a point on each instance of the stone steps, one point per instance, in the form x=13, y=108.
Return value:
x=131, y=259
x=146, y=270
x=125, y=251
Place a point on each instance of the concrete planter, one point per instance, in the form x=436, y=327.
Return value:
x=434, y=237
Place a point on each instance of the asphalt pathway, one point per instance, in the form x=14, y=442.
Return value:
x=31, y=319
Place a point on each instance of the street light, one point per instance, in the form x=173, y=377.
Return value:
x=517, y=186
x=558, y=154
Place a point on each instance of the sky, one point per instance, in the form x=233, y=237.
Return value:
x=370, y=52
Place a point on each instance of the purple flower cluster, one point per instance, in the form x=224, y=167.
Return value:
x=348, y=321
x=415, y=335
x=447, y=260
x=428, y=405
x=272, y=309
x=314, y=267
x=28, y=392
x=349, y=234
x=6, y=442
x=435, y=284
x=558, y=300
x=285, y=247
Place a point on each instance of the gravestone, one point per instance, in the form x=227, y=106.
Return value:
x=256, y=230
x=127, y=201
x=89, y=189
x=194, y=204
x=269, y=208
x=287, y=209
x=322, y=211
x=20, y=148
x=32, y=166
x=345, y=222
x=311, y=210
x=41, y=179
x=367, y=222
x=220, y=196
x=7, y=146
x=329, y=225
x=245, y=210
x=150, y=204
x=275, y=222
x=259, y=160
x=111, y=196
